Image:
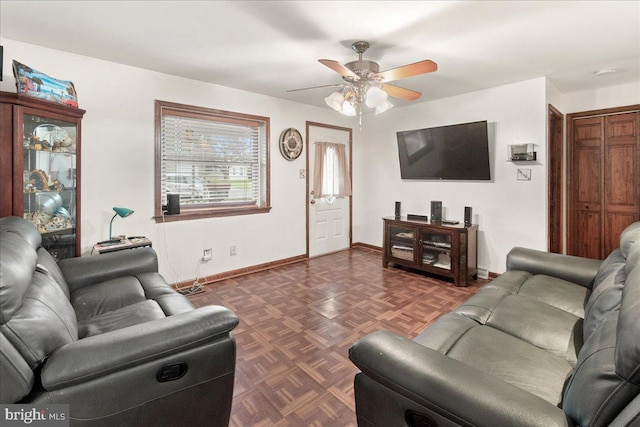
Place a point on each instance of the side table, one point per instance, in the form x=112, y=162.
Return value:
x=128, y=243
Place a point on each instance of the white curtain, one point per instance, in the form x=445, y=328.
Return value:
x=331, y=171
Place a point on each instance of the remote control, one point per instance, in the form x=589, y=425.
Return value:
x=449, y=221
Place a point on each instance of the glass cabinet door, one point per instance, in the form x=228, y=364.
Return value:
x=436, y=249
x=49, y=180
x=402, y=242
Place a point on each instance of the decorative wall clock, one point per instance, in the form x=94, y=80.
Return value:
x=290, y=144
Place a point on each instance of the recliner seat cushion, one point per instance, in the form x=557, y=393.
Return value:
x=544, y=326
x=499, y=354
x=515, y=303
x=94, y=300
x=143, y=311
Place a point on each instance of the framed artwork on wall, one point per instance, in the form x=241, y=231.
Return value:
x=290, y=144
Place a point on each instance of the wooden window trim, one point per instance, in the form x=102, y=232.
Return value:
x=189, y=111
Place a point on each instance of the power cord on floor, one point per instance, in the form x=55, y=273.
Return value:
x=163, y=236
x=196, y=287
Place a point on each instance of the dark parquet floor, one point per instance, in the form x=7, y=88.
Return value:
x=298, y=321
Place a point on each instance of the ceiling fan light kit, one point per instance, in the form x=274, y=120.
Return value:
x=365, y=84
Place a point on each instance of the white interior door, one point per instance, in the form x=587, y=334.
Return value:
x=329, y=220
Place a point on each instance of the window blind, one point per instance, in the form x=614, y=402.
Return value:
x=211, y=161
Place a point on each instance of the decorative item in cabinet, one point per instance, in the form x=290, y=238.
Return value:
x=44, y=144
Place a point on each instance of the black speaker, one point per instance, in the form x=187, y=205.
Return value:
x=173, y=204
x=467, y=215
x=436, y=211
x=398, y=204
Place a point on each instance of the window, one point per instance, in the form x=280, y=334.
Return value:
x=217, y=161
x=331, y=171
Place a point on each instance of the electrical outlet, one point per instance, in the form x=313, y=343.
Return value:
x=233, y=250
x=207, y=254
x=483, y=273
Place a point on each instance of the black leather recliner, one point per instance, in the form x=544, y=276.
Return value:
x=554, y=341
x=109, y=337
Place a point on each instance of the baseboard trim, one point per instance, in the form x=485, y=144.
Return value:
x=366, y=246
x=206, y=280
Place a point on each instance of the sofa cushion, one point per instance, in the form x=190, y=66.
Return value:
x=48, y=263
x=17, y=260
x=629, y=237
x=94, y=300
x=596, y=393
x=17, y=377
x=515, y=303
x=143, y=311
x=44, y=321
x=544, y=326
x=607, y=292
x=607, y=376
x=628, y=332
x=556, y=292
x=22, y=228
x=517, y=362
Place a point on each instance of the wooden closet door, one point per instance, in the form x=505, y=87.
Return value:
x=587, y=187
x=621, y=186
x=604, y=182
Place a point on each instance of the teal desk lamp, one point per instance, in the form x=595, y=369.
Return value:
x=122, y=213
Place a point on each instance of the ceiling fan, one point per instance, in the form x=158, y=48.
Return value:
x=366, y=84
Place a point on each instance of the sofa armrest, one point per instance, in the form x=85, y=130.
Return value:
x=88, y=270
x=100, y=355
x=575, y=269
x=459, y=392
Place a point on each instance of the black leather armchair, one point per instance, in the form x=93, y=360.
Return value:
x=108, y=336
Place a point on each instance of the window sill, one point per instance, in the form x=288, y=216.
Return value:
x=189, y=214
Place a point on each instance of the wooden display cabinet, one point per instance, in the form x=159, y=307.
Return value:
x=445, y=250
x=40, y=168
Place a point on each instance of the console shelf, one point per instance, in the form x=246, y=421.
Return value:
x=442, y=249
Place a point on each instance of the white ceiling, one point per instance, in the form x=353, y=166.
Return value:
x=270, y=47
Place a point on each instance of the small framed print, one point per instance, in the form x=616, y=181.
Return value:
x=524, y=174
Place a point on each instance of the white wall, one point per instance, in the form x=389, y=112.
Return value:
x=509, y=212
x=118, y=162
x=609, y=97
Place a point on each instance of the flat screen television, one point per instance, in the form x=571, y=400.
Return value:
x=456, y=152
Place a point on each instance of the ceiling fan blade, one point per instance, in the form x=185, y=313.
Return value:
x=338, y=68
x=415, y=69
x=314, y=87
x=402, y=93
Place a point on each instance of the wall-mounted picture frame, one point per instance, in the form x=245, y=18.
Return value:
x=290, y=144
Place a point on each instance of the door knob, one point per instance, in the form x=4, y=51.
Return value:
x=313, y=201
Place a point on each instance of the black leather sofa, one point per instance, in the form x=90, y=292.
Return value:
x=109, y=337
x=554, y=341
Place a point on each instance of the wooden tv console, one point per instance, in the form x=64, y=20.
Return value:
x=448, y=250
